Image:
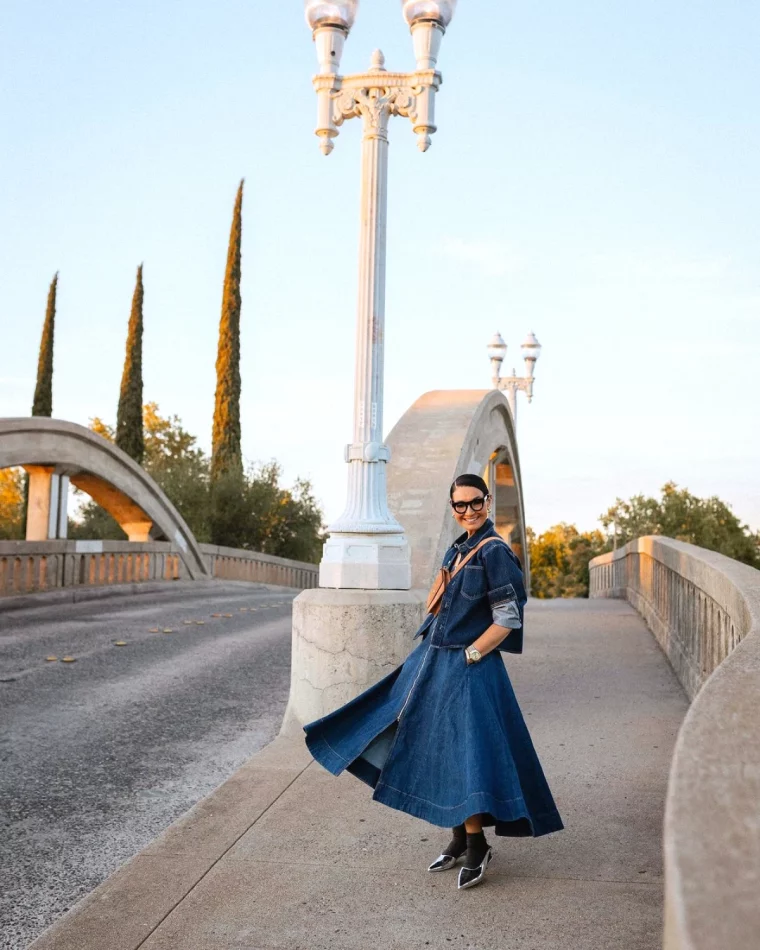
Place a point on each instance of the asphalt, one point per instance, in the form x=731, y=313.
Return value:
x=100, y=755
x=284, y=855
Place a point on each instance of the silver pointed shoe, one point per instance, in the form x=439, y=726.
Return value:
x=469, y=877
x=444, y=861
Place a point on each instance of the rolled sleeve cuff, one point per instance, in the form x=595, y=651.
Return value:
x=507, y=615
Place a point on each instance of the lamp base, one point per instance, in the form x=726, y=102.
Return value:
x=366, y=562
x=343, y=642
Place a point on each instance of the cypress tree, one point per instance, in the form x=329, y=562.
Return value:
x=226, y=457
x=43, y=392
x=129, y=420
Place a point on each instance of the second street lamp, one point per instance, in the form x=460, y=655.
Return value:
x=511, y=385
x=366, y=547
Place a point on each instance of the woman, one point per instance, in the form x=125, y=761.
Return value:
x=442, y=736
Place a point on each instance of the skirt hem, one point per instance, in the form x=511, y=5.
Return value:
x=323, y=752
x=508, y=820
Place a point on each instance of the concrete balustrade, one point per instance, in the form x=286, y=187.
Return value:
x=29, y=567
x=704, y=610
x=234, y=564
x=32, y=567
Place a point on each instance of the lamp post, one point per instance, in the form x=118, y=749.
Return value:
x=511, y=385
x=366, y=547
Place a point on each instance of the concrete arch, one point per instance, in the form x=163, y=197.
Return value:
x=52, y=451
x=443, y=434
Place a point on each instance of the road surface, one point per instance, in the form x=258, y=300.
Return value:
x=99, y=755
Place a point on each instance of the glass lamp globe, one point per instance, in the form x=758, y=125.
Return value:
x=497, y=348
x=340, y=13
x=440, y=10
x=531, y=348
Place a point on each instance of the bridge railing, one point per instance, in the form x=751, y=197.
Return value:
x=234, y=564
x=28, y=567
x=704, y=610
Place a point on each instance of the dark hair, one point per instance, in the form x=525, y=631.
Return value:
x=468, y=481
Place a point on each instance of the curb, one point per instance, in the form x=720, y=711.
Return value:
x=123, y=911
x=80, y=595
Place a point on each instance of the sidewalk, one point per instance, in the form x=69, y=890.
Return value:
x=284, y=855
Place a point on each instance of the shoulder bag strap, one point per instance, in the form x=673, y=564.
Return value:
x=472, y=554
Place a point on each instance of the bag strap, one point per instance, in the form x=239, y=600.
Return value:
x=473, y=553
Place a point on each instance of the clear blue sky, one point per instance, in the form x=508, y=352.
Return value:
x=594, y=178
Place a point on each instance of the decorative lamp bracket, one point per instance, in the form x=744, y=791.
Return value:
x=374, y=96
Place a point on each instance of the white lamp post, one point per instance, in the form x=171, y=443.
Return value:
x=511, y=385
x=366, y=547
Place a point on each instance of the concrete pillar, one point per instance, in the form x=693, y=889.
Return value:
x=343, y=642
x=47, y=511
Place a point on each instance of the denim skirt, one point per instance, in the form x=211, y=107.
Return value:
x=442, y=739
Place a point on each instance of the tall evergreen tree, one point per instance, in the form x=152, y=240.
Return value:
x=43, y=392
x=129, y=418
x=226, y=457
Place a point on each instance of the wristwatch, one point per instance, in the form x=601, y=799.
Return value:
x=473, y=654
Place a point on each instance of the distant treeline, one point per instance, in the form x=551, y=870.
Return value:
x=559, y=557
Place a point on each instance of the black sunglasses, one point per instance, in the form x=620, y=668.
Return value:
x=476, y=504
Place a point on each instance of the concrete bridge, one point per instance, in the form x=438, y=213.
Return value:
x=159, y=547
x=643, y=704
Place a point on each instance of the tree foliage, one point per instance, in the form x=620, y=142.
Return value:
x=559, y=557
x=11, y=504
x=226, y=457
x=706, y=522
x=174, y=460
x=129, y=422
x=43, y=391
x=559, y=560
x=250, y=510
x=285, y=522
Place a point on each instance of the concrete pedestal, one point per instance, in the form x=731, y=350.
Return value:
x=343, y=642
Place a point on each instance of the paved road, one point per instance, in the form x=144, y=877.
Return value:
x=100, y=755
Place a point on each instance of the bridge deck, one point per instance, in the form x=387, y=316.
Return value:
x=285, y=855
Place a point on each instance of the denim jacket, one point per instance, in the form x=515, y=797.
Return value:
x=491, y=577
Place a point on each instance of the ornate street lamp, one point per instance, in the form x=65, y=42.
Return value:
x=511, y=385
x=366, y=547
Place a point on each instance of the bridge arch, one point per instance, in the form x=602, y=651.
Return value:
x=52, y=451
x=443, y=434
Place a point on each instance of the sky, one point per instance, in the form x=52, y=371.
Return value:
x=594, y=178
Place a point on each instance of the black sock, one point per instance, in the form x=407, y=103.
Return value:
x=476, y=849
x=458, y=843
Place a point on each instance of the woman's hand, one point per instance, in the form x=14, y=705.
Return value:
x=490, y=638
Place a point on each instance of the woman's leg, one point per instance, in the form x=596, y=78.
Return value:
x=454, y=850
x=475, y=862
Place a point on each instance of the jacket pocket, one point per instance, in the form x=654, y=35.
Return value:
x=473, y=582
